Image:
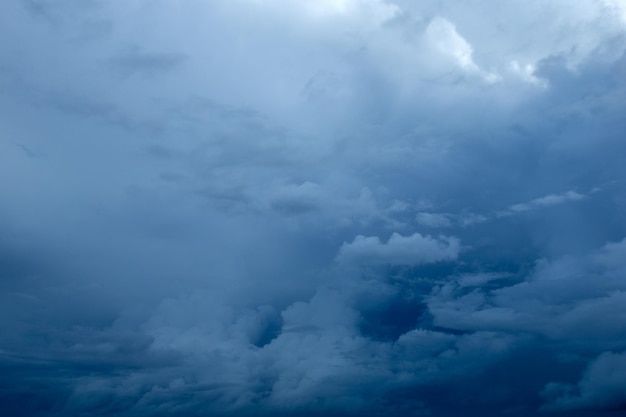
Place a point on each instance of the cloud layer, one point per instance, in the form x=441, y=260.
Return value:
x=333, y=207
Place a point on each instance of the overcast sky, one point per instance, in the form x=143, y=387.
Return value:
x=312, y=207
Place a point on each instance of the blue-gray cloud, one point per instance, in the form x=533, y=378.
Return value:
x=338, y=207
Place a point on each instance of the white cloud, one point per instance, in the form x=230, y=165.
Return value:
x=527, y=73
x=433, y=219
x=543, y=202
x=443, y=35
x=469, y=219
x=399, y=250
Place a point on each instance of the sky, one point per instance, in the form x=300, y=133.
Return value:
x=312, y=208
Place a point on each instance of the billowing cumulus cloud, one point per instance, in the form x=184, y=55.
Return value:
x=572, y=298
x=399, y=250
x=329, y=207
x=601, y=388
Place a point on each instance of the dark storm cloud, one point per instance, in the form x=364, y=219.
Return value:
x=337, y=208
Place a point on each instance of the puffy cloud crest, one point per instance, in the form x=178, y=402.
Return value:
x=601, y=388
x=415, y=249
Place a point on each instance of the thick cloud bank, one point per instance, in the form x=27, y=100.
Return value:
x=322, y=207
